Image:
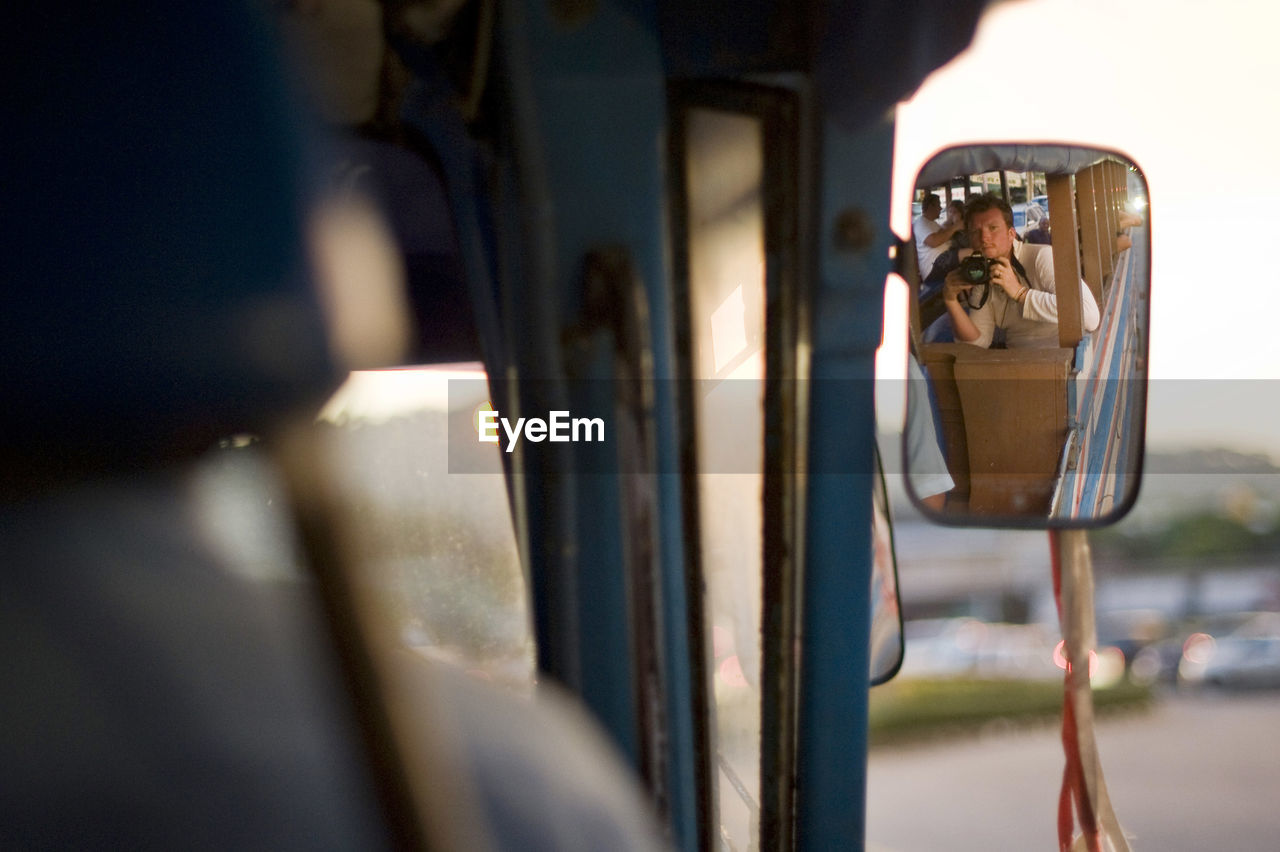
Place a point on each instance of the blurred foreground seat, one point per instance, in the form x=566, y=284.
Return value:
x=159, y=696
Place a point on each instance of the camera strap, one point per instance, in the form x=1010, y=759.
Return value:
x=1021, y=272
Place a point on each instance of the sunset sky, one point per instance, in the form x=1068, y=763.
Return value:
x=1189, y=90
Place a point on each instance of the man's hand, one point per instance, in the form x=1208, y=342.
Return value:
x=953, y=285
x=1003, y=276
x=962, y=327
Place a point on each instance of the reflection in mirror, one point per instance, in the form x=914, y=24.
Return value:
x=886, y=606
x=1029, y=269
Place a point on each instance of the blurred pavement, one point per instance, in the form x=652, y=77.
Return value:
x=1198, y=772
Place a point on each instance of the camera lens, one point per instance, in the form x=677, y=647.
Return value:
x=975, y=269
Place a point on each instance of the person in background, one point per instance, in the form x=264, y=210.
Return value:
x=932, y=239
x=955, y=216
x=928, y=472
x=1040, y=234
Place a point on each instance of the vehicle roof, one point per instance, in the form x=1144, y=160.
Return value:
x=977, y=159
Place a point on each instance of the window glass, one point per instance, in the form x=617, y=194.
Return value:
x=437, y=547
x=726, y=288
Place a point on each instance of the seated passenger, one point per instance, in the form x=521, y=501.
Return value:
x=1127, y=220
x=926, y=456
x=1039, y=235
x=1022, y=300
x=955, y=216
x=932, y=239
x=1130, y=220
x=956, y=248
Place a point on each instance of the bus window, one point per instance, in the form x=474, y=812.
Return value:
x=436, y=545
x=724, y=161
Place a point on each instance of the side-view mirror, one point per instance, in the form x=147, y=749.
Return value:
x=1029, y=269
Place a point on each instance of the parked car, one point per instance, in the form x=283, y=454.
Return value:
x=967, y=647
x=1233, y=662
x=1027, y=214
x=1189, y=647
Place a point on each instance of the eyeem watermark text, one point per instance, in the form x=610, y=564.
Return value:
x=561, y=427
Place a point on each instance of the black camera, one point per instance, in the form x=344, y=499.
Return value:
x=976, y=270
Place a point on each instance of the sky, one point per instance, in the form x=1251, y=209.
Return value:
x=1191, y=92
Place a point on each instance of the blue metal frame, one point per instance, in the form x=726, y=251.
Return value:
x=585, y=85
x=589, y=99
x=848, y=308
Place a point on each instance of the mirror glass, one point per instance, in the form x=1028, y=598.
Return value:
x=1029, y=268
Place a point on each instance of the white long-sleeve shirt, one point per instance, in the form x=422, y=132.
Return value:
x=1033, y=324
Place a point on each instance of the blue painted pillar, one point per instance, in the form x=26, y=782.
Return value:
x=854, y=239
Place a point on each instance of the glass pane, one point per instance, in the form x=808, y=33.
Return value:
x=437, y=549
x=724, y=165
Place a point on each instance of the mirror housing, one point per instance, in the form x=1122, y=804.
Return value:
x=1032, y=406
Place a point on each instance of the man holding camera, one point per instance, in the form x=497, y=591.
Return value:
x=1020, y=299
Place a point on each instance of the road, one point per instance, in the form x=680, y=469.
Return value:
x=1196, y=773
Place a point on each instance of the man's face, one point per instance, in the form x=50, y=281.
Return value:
x=931, y=209
x=990, y=235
